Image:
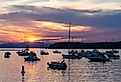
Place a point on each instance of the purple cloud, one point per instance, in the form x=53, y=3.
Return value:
x=109, y=23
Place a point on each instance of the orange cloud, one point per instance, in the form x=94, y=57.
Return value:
x=40, y=28
x=59, y=26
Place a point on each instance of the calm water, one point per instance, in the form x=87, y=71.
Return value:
x=79, y=70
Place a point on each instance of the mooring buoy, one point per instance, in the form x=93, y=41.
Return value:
x=22, y=72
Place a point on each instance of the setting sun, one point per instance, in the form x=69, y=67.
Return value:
x=32, y=39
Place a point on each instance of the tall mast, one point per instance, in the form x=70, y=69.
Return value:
x=82, y=39
x=69, y=50
x=69, y=31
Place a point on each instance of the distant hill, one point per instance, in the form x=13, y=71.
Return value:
x=64, y=45
x=24, y=45
x=79, y=45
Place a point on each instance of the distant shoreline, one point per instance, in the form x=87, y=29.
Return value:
x=25, y=45
x=79, y=45
x=66, y=45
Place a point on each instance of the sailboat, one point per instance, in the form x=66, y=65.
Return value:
x=96, y=56
x=114, y=54
x=71, y=54
x=24, y=52
x=32, y=57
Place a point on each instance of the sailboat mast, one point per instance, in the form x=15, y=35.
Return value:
x=26, y=43
x=69, y=31
x=69, y=50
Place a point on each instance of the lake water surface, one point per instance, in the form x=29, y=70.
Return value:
x=79, y=70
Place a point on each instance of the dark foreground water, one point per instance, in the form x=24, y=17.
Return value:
x=79, y=70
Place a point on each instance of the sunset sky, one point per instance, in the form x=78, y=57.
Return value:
x=94, y=20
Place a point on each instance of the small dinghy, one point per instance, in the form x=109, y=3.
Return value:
x=7, y=55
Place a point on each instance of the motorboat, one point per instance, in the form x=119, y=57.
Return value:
x=112, y=51
x=98, y=57
x=72, y=52
x=72, y=56
x=7, y=55
x=23, y=53
x=57, y=65
x=56, y=51
x=44, y=53
x=32, y=57
x=82, y=53
x=112, y=55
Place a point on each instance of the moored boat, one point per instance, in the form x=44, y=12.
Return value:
x=32, y=57
x=56, y=51
x=23, y=53
x=7, y=55
x=44, y=53
x=111, y=55
x=73, y=52
x=98, y=57
x=112, y=51
x=57, y=65
x=71, y=56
